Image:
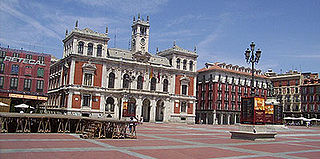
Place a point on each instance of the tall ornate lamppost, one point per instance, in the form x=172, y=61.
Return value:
x=252, y=58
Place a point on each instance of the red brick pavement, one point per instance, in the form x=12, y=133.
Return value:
x=164, y=141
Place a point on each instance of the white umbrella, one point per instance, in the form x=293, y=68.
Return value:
x=22, y=106
x=3, y=104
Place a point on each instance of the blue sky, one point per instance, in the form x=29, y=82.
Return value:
x=287, y=31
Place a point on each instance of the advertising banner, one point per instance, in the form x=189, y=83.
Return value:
x=258, y=104
x=268, y=109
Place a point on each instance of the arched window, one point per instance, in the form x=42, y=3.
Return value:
x=111, y=80
x=99, y=50
x=90, y=49
x=165, y=85
x=153, y=84
x=80, y=47
x=140, y=82
x=184, y=64
x=178, y=63
x=109, y=104
x=191, y=65
x=125, y=81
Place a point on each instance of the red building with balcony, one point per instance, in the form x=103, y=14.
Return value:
x=310, y=99
x=220, y=88
x=23, y=77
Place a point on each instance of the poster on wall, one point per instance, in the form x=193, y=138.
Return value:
x=268, y=109
x=258, y=104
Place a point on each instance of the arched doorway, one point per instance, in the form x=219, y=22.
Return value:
x=159, y=110
x=146, y=110
x=129, y=108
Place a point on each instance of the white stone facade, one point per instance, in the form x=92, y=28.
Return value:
x=94, y=80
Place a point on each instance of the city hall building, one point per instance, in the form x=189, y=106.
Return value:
x=24, y=77
x=94, y=80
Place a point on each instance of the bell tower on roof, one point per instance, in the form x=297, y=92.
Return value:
x=140, y=34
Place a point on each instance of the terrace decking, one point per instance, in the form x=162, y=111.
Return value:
x=55, y=123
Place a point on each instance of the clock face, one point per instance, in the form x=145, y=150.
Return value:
x=143, y=41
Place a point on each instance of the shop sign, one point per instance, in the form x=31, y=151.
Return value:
x=23, y=60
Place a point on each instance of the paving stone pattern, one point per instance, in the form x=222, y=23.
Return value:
x=164, y=141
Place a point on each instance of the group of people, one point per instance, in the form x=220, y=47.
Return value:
x=133, y=122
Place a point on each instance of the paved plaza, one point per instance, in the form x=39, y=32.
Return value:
x=164, y=141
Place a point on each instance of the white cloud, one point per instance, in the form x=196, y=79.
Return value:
x=29, y=20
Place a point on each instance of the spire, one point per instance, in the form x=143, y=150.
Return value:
x=174, y=43
x=147, y=18
x=66, y=32
x=157, y=49
x=195, y=49
x=107, y=29
x=138, y=16
x=134, y=18
x=76, y=24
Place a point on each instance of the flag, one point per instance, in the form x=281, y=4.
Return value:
x=151, y=73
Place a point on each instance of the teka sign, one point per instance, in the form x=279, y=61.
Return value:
x=23, y=60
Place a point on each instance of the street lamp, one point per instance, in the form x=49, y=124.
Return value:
x=252, y=58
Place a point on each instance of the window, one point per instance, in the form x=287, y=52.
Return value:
x=296, y=90
x=288, y=90
x=2, y=66
x=140, y=82
x=153, y=84
x=3, y=54
x=183, y=107
x=13, y=83
x=87, y=79
x=40, y=85
x=99, y=50
x=1, y=81
x=210, y=95
x=90, y=49
x=191, y=65
x=125, y=83
x=28, y=56
x=210, y=105
x=184, y=89
x=111, y=80
x=41, y=58
x=165, y=85
x=178, y=63
x=15, y=54
x=28, y=70
x=184, y=64
x=15, y=69
x=226, y=106
x=170, y=62
x=40, y=72
x=86, y=100
x=27, y=84
x=80, y=47
x=219, y=105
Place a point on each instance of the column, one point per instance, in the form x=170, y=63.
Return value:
x=70, y=100
x=72, y=70
x=228, y=119
x=152, y=110
x=221, y=119
x=116, y=108
x=139, y=107
x=215, y=120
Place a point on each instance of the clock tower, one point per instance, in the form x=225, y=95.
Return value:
x=140, y=35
